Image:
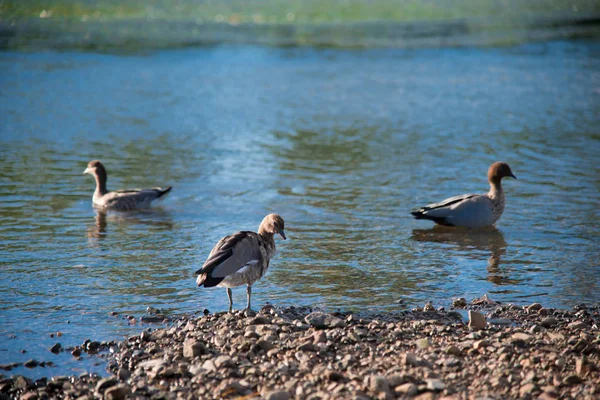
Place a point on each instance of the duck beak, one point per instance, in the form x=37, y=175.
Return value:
x=282, y=234
x=87, y=171
x=513, y=175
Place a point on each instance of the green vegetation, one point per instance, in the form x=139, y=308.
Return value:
x=291, y=11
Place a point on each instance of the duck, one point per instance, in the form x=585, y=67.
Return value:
x=120, y=200
x=471, y=210
x=241, y=258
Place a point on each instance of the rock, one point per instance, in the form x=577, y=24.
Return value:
x=76, y=352
x=20, y=382
x=224, y=362
x=152, y=364
x=461, y=302
x=334, y=376
x=476, y=320
x=193, y=349
x=435, y=384
x=30, y=396
x=549, y=322
x=534, y=308
x=260, y=320
x=278, y=395
x=528, y=388
x=582, y=366
x=572, y=380
x=454, y=350
x=521, y=336
x=484, y=300
x=408, y=389
x=481, y=344
x=31, y=363
x=428, y=307
x=56, y=348
x=321, y=320
x=319, y=337
x=379, y=384
x=265, y=344
x=118, y=392
x=123, y=374
x=105, y=383
x=422, y=343
x=209, y=365
x=577, y=325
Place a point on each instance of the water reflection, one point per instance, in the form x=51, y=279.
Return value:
x=471, y=243
x=158, y=218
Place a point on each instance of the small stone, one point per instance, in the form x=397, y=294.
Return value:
x=278, y=395
x=521, y=336
x=572, y=380
x=454, y=350
x=209, y=365
x=429, y=307
x=582, y=366
x=20, y=382
x=461, y=302
x=118, y=392
x=379, y=384
x=549, y=322
x=476, y=320
x=481, y=344
x=422, y=343
x=30, y=396
x=500, y=321
x=534, y=307
x=224, y=361
x=76, y=352
x=408, y=389
x=56, y=348
x=577, y=325
x=435, y=385
x=321, y=320
x=193, y=349
x=528, y=388
x=105, y=383
x=31, y=363
x=123, y=374
x=334, y=376
x=319, y=337
x=265, y=345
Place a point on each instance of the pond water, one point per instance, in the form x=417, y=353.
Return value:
x=342, y=143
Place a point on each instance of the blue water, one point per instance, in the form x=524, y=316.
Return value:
x=342, y=143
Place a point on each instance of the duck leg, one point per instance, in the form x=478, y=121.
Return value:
x=230, y=297
x=248, y=294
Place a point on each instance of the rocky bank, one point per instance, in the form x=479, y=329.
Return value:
x=504, y=351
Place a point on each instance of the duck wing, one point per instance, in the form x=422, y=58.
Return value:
x=229, y=255
x=468, y=210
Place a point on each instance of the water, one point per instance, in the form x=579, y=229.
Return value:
x=342, y=143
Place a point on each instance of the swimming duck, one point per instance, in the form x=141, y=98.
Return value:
x=241, y=258
x=120, y=200
x=471, y=210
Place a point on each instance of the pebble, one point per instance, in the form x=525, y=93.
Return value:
x=56, y=348
x=401, y=354
x=549, y=322
x=476, y=320
x=321, y=320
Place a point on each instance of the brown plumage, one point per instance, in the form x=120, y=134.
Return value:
x=241, y=258
x=120, y=200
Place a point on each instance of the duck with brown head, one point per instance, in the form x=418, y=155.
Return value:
x=471, y=210
x=120, y=200
x=241, y=258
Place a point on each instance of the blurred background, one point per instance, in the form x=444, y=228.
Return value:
x=130, y=25
x=342, y=116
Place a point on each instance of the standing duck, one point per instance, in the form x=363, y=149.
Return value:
x=120, y=200
x=471, y=210
x=241, y=258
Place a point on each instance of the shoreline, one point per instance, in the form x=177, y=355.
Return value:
x=297, y=352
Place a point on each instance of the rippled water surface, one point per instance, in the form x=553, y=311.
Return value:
x=341, y=143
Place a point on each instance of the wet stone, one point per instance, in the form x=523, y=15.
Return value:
x=56, y=348
x=105, y=383
x=321, y=320
x=476, y=320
